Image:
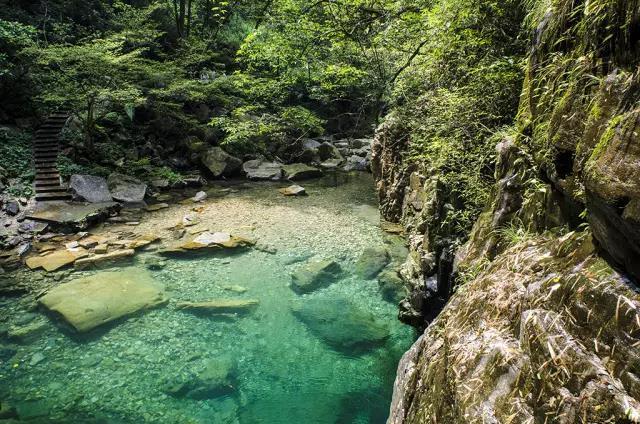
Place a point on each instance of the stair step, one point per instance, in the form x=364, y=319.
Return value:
x=51, y=180
x=41, y=149
x=47, y=183
x=44, y=197
x=47, y=175
x=58, y=189
x=40, y=155
x=46, y=162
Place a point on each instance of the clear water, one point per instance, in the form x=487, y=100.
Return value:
x=284, y=372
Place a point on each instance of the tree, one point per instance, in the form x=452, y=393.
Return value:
x=88, y=79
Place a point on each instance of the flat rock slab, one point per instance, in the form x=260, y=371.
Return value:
x=208, y=241
x=72, y=215
x=294, y=190
x=56, y=260
x=89, y=302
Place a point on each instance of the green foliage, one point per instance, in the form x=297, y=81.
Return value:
x=252, y=129
x=144, y=170
x=514, y=233
x=15, y=154
x=459, y=94
x=14, y=37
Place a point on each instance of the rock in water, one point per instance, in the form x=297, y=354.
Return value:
x=315, y=275
x=89, y=302
x=300, y=171
x=260, y=170
x=342, y=325
x=219, y=162
x=90, y=188
x=200, y=196
x=213, y=378
x=294, y=190
x=219, y=306
x=372, y=261
x=391, y=286
x=126, y=189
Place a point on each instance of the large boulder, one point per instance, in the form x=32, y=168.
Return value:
x=258, y=169
x=301, y=171
x=89, y=302
x=314, y=275
x=342, y=325
x=89, y=188
x=126, y=189
x=220, y=163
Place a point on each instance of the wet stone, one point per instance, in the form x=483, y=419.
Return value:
x=89, y=302
x=342, y=325
x=211, y=379
x=314, y=275
x=372, y=261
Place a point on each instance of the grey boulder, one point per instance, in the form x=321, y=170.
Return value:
x=220, y=163
x=259, y=169
x=89, y=188
x=126, y=189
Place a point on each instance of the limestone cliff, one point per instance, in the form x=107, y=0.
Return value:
x=543, y=323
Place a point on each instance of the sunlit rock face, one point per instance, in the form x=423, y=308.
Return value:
x=548, y=329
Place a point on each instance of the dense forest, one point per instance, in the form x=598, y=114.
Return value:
x=151, y=83
x=495, y=141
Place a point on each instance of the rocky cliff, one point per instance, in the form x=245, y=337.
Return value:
x=543, y=321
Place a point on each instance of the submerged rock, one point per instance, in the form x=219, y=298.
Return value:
x=89, y=302
x=391, y=286
x=372, y=261
x=220, y=306
x=342, y=325
x=211, y=379
x=315, y=275
x=90, y=188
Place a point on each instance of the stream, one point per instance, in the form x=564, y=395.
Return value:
x=283, y=361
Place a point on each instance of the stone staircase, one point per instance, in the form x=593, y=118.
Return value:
x=48, y=184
